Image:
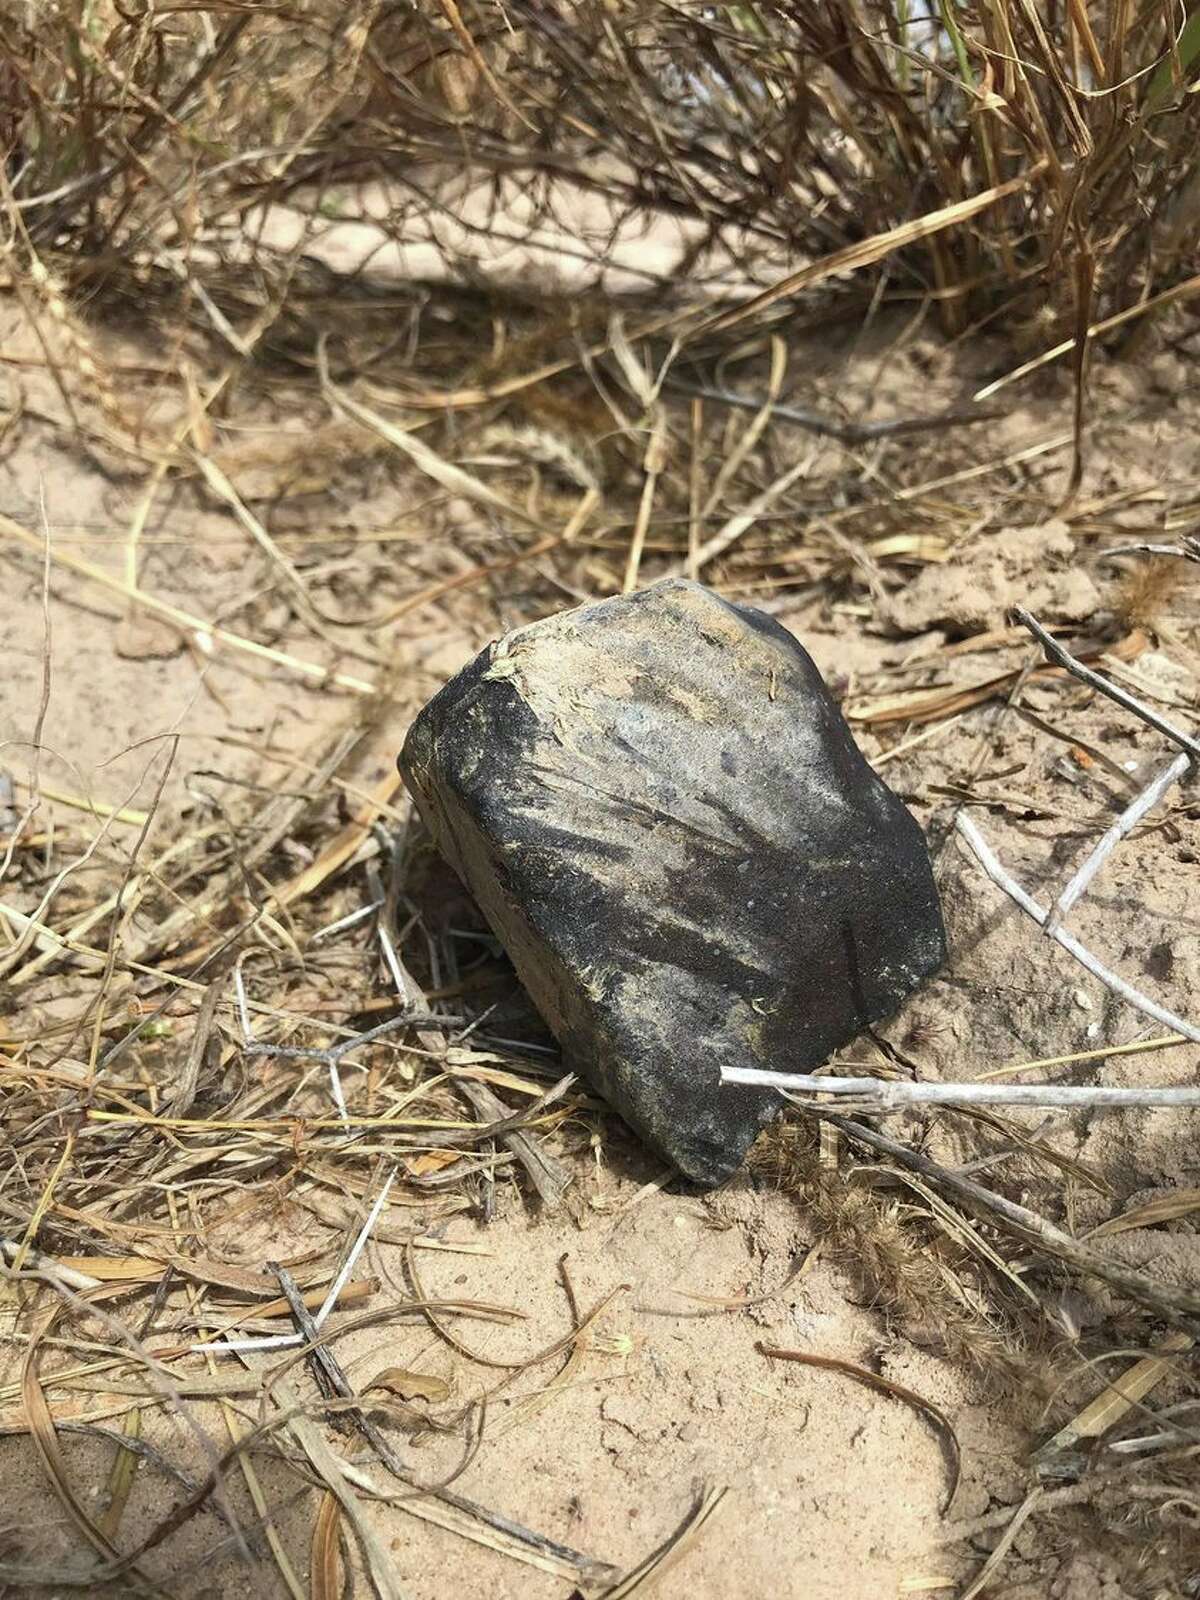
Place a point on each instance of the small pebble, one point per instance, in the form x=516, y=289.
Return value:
x=1082, y=999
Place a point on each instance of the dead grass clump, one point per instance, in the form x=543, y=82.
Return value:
x=1144, y=594
x=908, y=1263
x=538, y=148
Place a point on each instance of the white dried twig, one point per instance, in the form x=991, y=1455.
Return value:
x=895, y=1094
x=1004, y=880
x=289, y=1341
x=331, y=1055
x=343, y=1277
x=351, y=920
x=276, y=1341
x=1125, y=824
x=11, y=1251
x=1187, y=549
x=393, y=964
x=1067, y=661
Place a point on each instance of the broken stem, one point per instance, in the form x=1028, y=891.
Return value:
x=1004, y=880
x=1063, y=658
x=1124, y=825
x=886, y=1094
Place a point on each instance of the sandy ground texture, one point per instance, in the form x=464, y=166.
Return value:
x=830, y=1488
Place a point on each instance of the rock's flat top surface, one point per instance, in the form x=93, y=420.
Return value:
x=664, y=817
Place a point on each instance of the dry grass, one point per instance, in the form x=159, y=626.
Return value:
x=1004, y=171
x=1146, y=591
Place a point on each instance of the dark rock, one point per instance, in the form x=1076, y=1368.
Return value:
x=662, y=814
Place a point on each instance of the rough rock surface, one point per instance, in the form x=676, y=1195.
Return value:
x=663, y=815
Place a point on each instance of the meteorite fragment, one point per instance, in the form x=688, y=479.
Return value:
x=662, y=814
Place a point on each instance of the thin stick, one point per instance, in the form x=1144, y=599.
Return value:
x=1180, y=291
x=206, y=633
x=1068, y=662
x=864, y=252
x=1124, y=825
x=655, y=461
x=887, y=1094
x=1188, y=550
x=1004, y=880
x=694, y=488
x=992, y=1565
x=319, y=1355
x=343, y=1277
x=830, y=427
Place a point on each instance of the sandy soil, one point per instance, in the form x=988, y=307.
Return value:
x=832, y=1490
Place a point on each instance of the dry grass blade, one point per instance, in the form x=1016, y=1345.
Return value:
x=1085, y=278
x=649, y=1571
x=225, y=491
x=1163, y=1041
x=1164, y=1208
x=896, y=1391
x=475, y=396
x=45, y=1440
x=327, y=1467
x=1180, y=291
x=866, y=252
x=653, y=465
x=938, y=704
x=730, y=532
x=1003, y=1545
x=454, y=479
x=203, y=632
x=750, y=435
x=1118, y=1397
x=120, y=1481
x=96, y=808
x=326, y=1555
x=343, y=846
